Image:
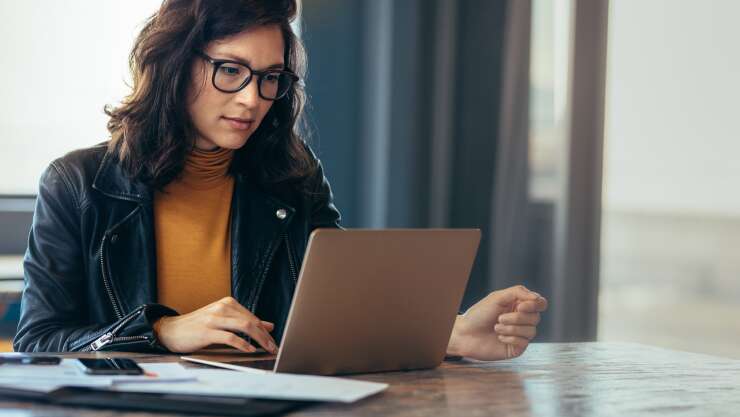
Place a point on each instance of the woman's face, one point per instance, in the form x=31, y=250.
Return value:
x=227, y=120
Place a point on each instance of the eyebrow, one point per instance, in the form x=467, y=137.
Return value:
x=279, y=65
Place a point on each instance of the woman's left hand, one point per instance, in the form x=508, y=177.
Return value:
x=500, y=326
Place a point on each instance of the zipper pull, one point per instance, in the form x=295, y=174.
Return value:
x=102, y=341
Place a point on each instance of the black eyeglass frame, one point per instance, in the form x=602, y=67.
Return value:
x=217, y=63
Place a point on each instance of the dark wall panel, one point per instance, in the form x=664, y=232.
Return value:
x=480, y=39
x=331, y=31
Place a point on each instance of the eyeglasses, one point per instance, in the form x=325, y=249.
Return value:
x=232, y=76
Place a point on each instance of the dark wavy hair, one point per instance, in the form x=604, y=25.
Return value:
x=151, y=133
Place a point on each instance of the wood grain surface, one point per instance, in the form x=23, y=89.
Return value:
x=569, y=380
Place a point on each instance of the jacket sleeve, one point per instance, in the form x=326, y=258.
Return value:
x=323, y=212
x=53, y=305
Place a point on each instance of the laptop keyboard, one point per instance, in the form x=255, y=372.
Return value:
x=266, y=364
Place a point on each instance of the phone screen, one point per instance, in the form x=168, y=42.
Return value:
x=111, y=366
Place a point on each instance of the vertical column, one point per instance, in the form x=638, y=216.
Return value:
x=578, y=221
x=375, y=115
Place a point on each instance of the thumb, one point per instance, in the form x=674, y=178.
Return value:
x=511, y=295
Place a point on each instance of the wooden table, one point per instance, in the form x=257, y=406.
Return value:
x=573, y=380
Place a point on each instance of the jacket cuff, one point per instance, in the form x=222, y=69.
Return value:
x=152, y=313
x=135, y=333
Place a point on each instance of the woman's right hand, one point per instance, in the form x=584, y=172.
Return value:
x=216, y=323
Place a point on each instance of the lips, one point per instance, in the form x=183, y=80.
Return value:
x=239, y=123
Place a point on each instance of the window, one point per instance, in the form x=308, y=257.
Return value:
x=671, y=222
x=62, y=62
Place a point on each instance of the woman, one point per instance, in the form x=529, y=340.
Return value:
x=186, y=228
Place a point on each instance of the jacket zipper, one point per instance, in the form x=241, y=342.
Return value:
x=106, y=281
x=117, y=309
x=109, y=337
x=261, y=282
x=291, y=265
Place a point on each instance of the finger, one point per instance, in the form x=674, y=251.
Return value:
x=251, y=328
x=532, y=306
x=524, y=319
x=230, y=339
x=231, y=305
x=518, y=345
x=262, y=336
x=514, y=340
x=267, y=325
x=246, y=323
x=527, y=332
x=240, y=310
x=510, y=295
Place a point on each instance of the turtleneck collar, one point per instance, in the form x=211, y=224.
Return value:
x=207, y=169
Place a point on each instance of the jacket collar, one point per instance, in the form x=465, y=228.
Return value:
x=112, y=181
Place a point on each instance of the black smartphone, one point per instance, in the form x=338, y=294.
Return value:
x=110, y=366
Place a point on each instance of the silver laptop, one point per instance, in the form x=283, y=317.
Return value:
x=370, y=301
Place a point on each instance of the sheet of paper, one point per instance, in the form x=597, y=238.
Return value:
x=271, y=385
x=65, y=369
x=47, y=385
x=158, y=372
x=48, y=377
x=45, y=376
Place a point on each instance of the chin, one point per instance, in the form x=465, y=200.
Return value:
x=233, y=142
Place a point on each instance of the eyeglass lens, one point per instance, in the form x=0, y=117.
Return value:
x=232, y=77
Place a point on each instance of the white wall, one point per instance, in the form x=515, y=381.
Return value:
x=672, y=132
x=62, y=61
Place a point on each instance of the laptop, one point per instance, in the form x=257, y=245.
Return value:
x=370, y=301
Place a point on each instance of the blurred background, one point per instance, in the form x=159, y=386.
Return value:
x=593, y=142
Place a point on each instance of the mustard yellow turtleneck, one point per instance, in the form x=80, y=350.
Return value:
x=193, y=239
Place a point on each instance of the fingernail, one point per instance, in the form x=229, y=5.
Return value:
x=271, y=347
x=497, y=327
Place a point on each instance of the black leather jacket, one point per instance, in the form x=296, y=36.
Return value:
x=90, y=267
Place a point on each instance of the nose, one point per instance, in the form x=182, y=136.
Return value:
x=249, y=96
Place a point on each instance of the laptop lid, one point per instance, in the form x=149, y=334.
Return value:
x=376, y=300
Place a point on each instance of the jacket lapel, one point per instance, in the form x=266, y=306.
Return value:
x=113, y=182
x=258, y=221
x=128, y=250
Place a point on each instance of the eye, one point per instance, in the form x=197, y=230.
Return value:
x=230, y=69
x=272, y=77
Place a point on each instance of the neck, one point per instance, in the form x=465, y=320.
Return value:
x=207, y=168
